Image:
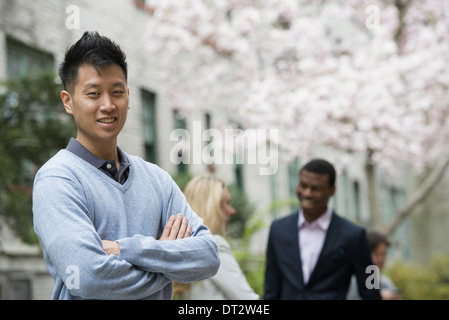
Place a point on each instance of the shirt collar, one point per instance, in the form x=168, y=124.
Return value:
x=78, y=149
x=322, y=222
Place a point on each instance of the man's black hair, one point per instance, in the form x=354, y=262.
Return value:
x=93, y=49
x=321, y=166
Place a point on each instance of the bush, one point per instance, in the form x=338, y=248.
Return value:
x=244, y=210
x=430, y=282
x=253, y=266
x=181, y=179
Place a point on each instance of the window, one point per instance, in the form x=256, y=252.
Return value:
x=180, y=123
x=392, y=199
x=24, y=60
x=210, y=138
x=346, y=194
x=239, y=155
x=293, y=180
x=210, y=142
x=20, y=289
x=208, y=120
x=15, y=286
x=238, y=171
x=149, y=125
x=357, y=205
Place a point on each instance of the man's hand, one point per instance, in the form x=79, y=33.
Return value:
x=176, y=228
x=388, y=294
x=111, y=247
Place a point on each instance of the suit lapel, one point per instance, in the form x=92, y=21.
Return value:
x=296, y=251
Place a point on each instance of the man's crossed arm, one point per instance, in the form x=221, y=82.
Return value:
x=176, y=228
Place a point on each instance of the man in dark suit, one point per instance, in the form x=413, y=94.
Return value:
x=313, y=254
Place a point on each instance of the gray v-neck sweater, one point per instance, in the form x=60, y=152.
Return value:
x=75, y=206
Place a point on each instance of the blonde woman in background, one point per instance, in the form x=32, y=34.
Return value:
x=210, y=199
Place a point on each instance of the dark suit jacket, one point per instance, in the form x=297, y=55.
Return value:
x=345, y=252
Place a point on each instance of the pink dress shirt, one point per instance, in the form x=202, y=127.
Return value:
x=311, y=238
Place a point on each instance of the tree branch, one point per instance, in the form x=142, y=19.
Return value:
x=420, y=194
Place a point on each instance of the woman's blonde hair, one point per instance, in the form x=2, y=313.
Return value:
x=204, y=194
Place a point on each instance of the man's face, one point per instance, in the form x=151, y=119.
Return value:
x=99, y=103
x=313, y=193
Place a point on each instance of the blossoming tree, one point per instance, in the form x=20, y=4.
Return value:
x=363, y=77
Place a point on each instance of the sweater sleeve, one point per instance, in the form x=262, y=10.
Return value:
x=230, y=279
x=70, y=242
x=183, y=260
